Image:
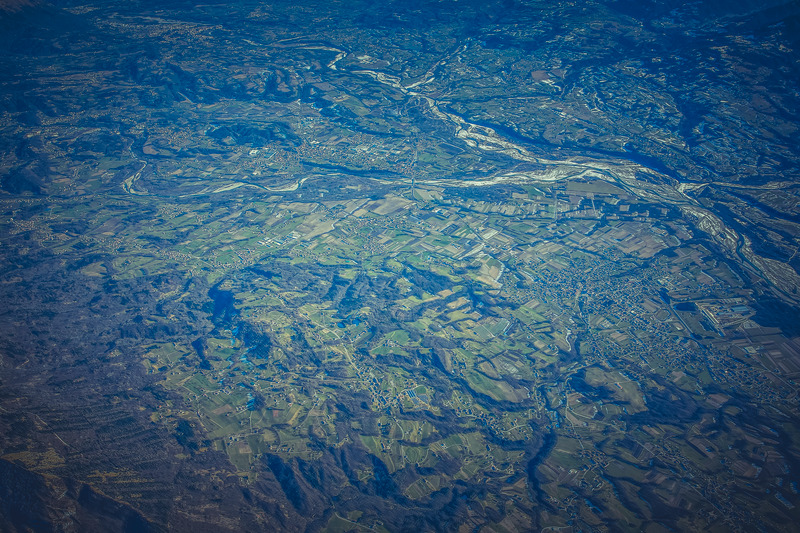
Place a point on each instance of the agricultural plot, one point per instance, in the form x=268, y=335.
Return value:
x=471, y=359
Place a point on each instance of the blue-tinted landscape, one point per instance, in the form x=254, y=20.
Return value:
x=400, y=266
